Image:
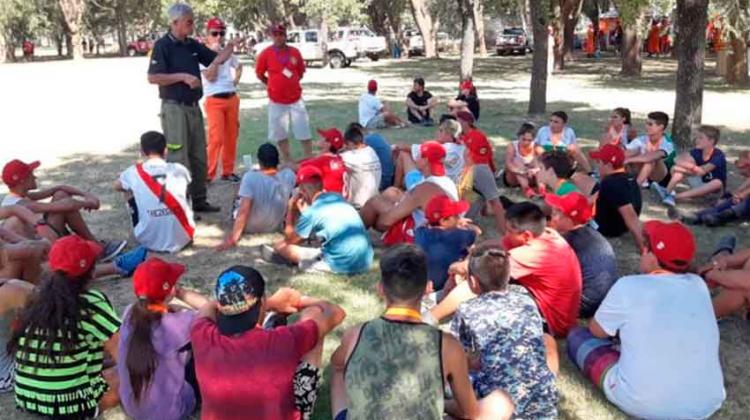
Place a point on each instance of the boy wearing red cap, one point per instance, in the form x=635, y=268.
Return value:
x=329, y=161
x=155, y=366
x=280, y=68
x=667, y=362
x=62, y=214
x=467, y=93
x=477, y=184
x=447, y=237
x=395, y=211
x=448, y=134
x=373, y=114
x=85, y=326
x=248, y=372
x=345, y=245
x=222, y=105
x=618, y=204
x=571, y=214
x=262, y=199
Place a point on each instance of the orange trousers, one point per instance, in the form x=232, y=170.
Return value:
x=223, y=128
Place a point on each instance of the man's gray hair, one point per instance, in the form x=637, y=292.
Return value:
x=178, y=11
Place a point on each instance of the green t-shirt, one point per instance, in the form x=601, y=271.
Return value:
x=73, y=384
x=566, y=187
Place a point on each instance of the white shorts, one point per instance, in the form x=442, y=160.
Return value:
x=311, y=259
x=281, y=115
x=377, y=122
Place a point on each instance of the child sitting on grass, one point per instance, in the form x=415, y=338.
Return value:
x=521, y=163
x=704, y=169
x=652, y=155
x=554, y=175
x=447, y=239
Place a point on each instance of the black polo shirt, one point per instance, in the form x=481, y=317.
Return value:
x=171, y=55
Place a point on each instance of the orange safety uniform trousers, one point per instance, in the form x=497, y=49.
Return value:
x=223, y=128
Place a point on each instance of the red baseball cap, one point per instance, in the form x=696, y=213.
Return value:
x=466, y=116
x=308, y=173
x=466, y=84
x=434, y=153
x=611, y=154
x=278, y=29
x=155, y=278
x=372, y=86
x=441, y=206
x=672, y=243
x=574, y=205
x=73, y=255
x=215, y=23
x=333, y=136
x=15, y=171
x=480, y=149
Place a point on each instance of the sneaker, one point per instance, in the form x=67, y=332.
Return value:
x=205, y=207
x=646, y=184
x=428, y=122
x=669, y=200
x=500, y=174
x=268, y=254
x=675, y=214
x=233, y=178
x=127, y=262
x=658, y=190
x=111, y=249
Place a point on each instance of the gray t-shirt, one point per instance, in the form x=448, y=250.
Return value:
x=485, y=187
x=270, y=194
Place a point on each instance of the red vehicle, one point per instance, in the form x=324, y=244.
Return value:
x=141, y=46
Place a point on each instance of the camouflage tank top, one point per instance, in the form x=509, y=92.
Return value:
x=395, y=372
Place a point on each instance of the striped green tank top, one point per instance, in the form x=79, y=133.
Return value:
x=395, y=372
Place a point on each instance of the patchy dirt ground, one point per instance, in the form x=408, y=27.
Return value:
x=84, y=119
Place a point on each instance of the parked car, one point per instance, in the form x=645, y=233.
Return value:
x=344, y=45
x=141, y=46
x=416, y=44
x=512, y=40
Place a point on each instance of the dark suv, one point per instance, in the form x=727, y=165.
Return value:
x=512, y=40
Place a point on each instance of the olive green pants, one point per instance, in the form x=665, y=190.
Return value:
x=186, y=143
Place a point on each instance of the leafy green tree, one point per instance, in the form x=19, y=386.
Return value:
x=18, y=21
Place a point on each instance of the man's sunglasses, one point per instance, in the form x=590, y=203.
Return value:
x=219, y=33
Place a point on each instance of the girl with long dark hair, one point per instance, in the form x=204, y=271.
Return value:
x=62, y=336
x=157, y=378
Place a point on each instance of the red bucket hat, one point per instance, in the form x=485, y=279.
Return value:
x=441, y=206
x=434, y=153
x=73, y=255
x=333, y=136
x=673, y=244
x=155, y=278
x=15, y=171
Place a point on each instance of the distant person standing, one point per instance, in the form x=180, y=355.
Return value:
x=222, y=106
x=280, y=67
x=174, y=67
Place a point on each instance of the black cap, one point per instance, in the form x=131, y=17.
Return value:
x=239, y=291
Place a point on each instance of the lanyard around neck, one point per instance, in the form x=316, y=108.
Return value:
x=412, y=314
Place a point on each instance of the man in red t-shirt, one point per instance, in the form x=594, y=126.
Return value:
x=247, y=372
x=280, y=67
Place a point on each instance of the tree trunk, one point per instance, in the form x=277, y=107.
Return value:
x=9, y=50
x=69, y=45
x=538, y=91
x=565, y=34
x=630, y=50
x=479, y=26
x=58, y=39
x=466, y=9
x=737, y=66
x=427, y=26
x=324, y=39
x=692, y=17
x=72, y=11
x=122, y=29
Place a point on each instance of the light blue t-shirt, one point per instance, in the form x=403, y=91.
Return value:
x=346, y=244
x=383, y=150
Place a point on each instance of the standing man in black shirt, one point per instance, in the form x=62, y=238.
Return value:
x=174, y=68
x=619, y=203
x=419, y=103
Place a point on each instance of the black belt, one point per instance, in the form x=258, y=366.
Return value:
x=183, y=103
x=223, y=95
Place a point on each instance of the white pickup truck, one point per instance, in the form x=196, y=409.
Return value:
x=344, y=45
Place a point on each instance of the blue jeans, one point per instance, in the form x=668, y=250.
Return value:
x=741, y=210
